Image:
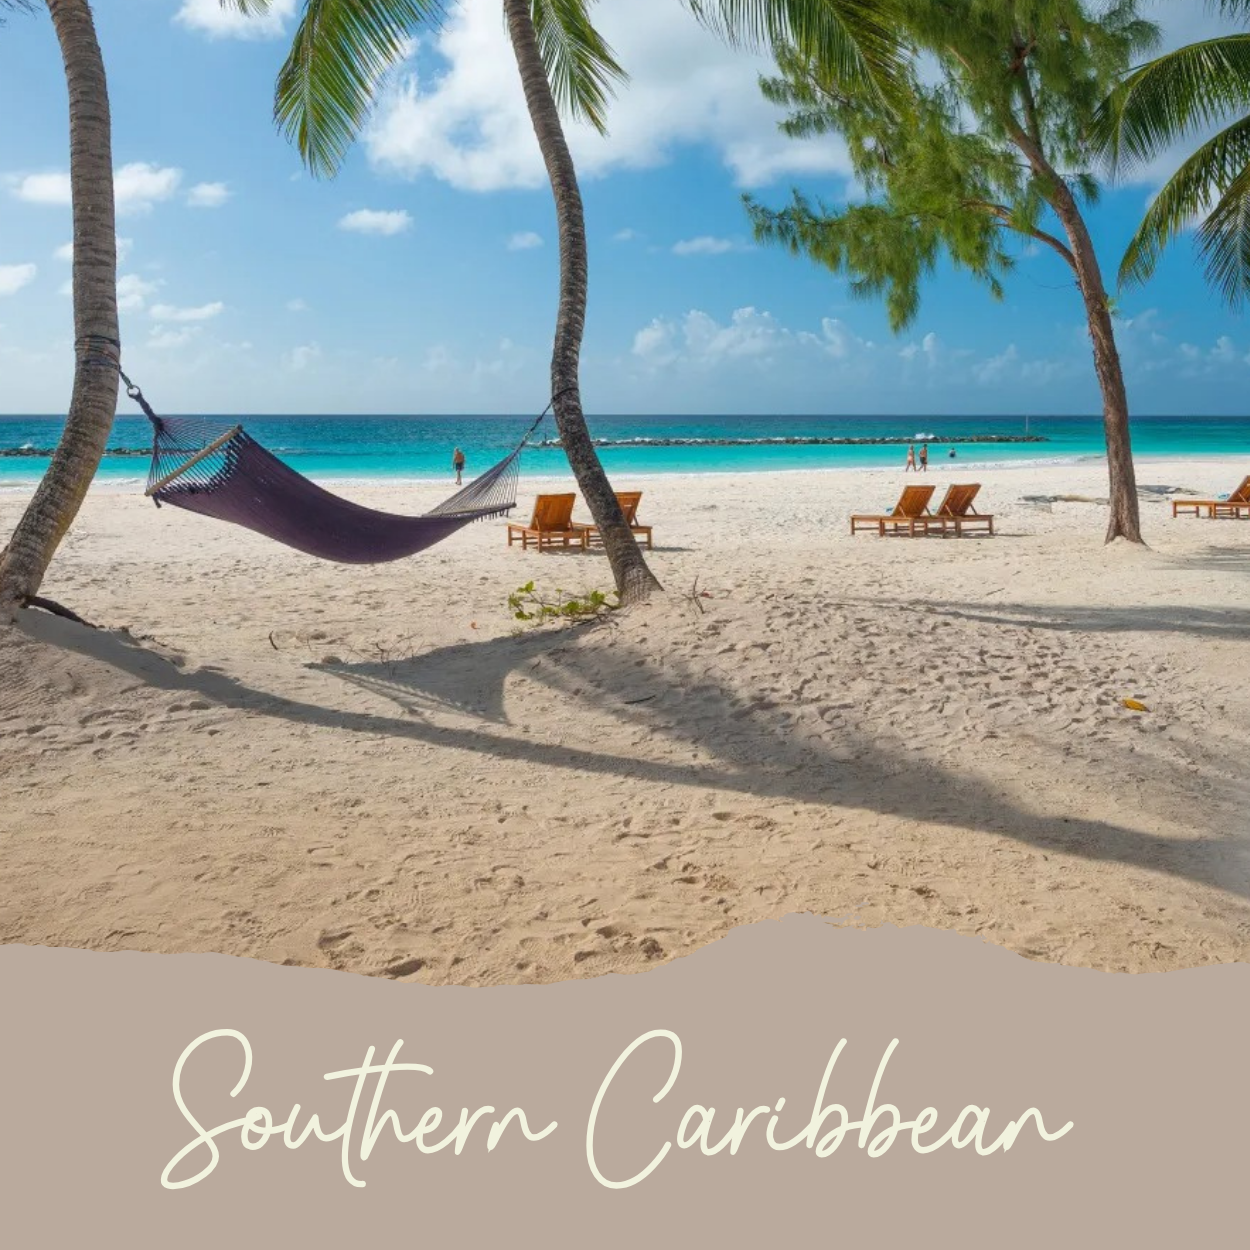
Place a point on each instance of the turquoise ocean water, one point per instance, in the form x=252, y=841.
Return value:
x=371, y=448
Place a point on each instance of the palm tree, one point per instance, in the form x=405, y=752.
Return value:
x=93, y=401
x=1169, y=99
x=342, y=48
x=986, y=137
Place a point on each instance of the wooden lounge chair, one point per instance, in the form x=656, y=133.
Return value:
x=956, y=511
x=1237, y=504
x=552, y=522
x=629, y=500
x=910, y=514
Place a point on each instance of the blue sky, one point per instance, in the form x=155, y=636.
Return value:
x=423, y=278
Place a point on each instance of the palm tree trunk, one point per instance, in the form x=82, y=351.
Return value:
x=93, y=401
x=1125, y=520
x=634, y=580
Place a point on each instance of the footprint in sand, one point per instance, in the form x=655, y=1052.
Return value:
x=405, y=968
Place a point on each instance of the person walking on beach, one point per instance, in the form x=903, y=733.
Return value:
x=924, y=457
x=457, y=463
x=911, y=458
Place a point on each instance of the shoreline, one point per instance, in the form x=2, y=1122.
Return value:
x=133, y=485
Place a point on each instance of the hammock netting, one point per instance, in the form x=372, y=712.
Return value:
x=222, y=472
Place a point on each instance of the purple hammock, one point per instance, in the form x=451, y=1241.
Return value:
x=230, y=476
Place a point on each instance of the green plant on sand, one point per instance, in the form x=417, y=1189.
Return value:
x=526, y=603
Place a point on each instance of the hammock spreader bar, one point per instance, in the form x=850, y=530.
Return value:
x=228, y=475
x=155, y=487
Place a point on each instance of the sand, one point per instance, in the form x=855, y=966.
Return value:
x=376, y=769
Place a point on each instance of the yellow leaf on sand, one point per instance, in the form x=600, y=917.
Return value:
x=1134, y=706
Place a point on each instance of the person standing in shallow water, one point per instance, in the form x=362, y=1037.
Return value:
x=457, y=463
x=911, y=458
x=924, y=458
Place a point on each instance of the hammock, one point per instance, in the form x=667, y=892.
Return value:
x=233, y=478
x=230, y=476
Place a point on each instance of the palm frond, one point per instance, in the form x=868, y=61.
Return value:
x=1209, y=176
x=581, y=68
x=1224, y=243
x=1174, y=96
x=340, y=51
x=856, y=41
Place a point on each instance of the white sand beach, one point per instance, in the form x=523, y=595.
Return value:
x=374, y=769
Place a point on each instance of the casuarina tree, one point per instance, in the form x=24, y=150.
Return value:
x=93, y=400
x=1194, y=89
x=342, y=49
x=987, y=141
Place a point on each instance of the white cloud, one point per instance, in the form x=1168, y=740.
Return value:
x=14, y=277
x=836, y=339
x=929, y=346
x=1224, y=352
x=749, y=334
x=525, y=240
x=1154, y=352
x=302, y=357
x=656, y=343
x=296, y=306
x=208, y=195
x=997, y=367
x=136, y=187
x=625, y=236
x=755, y=340
x=66, y=250
x=374, y=221
x=42, y=188
x=163, y=339
x=133, y=292
x=168, y=312
x=468, y=125
x=704, y=245
x=208, y=17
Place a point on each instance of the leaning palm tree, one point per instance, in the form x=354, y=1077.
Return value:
x=93, y=401
x=342, y=48
x=1170, y=99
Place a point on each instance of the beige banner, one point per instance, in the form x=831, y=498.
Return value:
x=795, y=1083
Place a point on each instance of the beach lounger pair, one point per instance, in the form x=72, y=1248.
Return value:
x=1236, y=505
x=911, y=516
x=552, y=523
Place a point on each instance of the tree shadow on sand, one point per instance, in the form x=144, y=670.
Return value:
x=755, y=748
x=1230, y=623
x=1219, y=559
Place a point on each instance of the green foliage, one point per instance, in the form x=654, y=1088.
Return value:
x=528, y=604
x=342, y=49
x=340, y=52
x=1170, y=99
x=986, y=141
x=581, y=67
x=858, y=38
